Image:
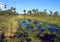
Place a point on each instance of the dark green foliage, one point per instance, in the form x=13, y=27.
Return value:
x=51, y=13
x=11, y=11
x=35, y=12
x=24, y=12
x=29, y=12
x=56, y=13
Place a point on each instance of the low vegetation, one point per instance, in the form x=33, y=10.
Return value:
x=9, y=25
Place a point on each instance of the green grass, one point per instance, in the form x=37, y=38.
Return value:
x=46, y=19
x=11, y=26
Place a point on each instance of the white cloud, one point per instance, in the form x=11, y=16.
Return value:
x=2, y=6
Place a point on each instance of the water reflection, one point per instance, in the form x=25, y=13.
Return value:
x=46, y=28
x=51, y=27
x=31, y=28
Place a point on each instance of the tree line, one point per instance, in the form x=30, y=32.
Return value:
x=42, y=13
x=12, y=11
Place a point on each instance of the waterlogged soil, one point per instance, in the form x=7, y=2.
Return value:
x=30, y=24
x=45, y=32
x=32, y=31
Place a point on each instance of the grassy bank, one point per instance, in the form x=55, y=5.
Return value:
x=46, y=19
x=9, y=24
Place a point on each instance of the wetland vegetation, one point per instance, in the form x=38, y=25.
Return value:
x=31, y=26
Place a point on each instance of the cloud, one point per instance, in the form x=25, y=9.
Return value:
x=2, y=6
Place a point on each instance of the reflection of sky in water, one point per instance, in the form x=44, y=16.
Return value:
x=25, y=23
x=40, y=27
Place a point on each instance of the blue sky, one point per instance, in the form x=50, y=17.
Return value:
x=31, y=4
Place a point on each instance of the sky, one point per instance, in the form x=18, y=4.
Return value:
x=20, y=5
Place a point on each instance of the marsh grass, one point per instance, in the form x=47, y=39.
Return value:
x=31, y=24
x=11, y=26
